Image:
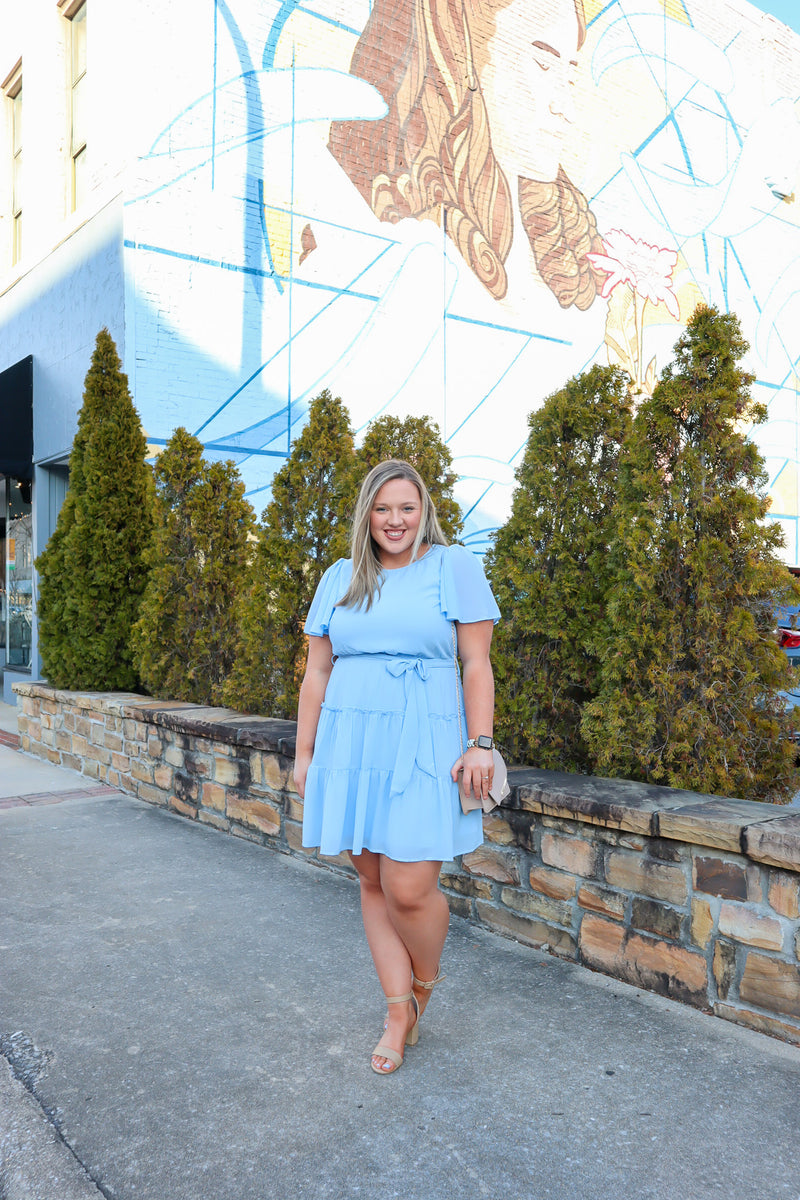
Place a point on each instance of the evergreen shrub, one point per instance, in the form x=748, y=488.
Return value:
x=305, y=528
x=549, y=570
x=184, y=640
x=690, y=685
x=93, y=571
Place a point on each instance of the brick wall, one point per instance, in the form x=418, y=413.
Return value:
x=694, y=897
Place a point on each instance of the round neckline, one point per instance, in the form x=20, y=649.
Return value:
x=405, y=566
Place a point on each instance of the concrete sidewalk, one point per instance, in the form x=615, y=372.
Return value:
x=190, y=1016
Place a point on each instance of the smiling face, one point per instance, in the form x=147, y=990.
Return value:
x=394, y=520
x=528, y=84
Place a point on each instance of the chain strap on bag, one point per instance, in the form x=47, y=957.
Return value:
x=499, y=789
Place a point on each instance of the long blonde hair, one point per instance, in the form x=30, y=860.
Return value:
x=365, y=582
x=431, y=155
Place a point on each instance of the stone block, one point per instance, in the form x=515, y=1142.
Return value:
x=771, y=984
x=601, y=900
x=186, y=788
x=121, y=762
x=63, y=740
x=558, y=911
x=174, y=756
x=730, y=880
x=213, y=796
x=783, y=1030
x=459, y=906
x=492, y=864
x=775, y=842
x=661, y=881
x=275, y=771
x=571, y=854
x=152, y=794
x=294, y=837
x=337, y=860
x=98, y=754
x=113, y=741
x=254, y=814
x=80, y=745
x=293, y=807
x=91, y=768
x=497, y=830
x=207, y=817
x=702, y=924
x=466, y=885
x=155, y=746
x=180, y=806
x=162, y=775
x=717, y=822
x=231, y=772
x=141, y=771
x=67, y=721
x=73, y=762
x=739, y=922
x=199, y=765
x=552, y=883
x=724, y=967
x=652, y=916
x=530, y=930
x=650, y=963
x=784, y=894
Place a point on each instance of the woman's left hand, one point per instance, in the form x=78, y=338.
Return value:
x=478, y=768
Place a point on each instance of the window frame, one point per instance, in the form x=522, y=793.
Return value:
x=12, y=90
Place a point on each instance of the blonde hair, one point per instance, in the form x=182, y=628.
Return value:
x=365, y=582
x=431, y=155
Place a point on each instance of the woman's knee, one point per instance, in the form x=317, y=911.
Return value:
x=410, y=890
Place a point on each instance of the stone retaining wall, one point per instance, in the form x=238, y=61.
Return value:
x=695, y=897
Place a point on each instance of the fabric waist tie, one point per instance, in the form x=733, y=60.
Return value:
x=416, y=744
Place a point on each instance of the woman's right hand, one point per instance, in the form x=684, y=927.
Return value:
x=302, y=762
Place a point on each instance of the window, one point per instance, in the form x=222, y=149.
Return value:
x=12, y=86
x=77, y=60
x=18, y=573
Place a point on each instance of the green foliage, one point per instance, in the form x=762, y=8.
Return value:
x=305, y=529
x=550, y=573
x=93, y=570
x=691, y=672
x=418, y=441
x=185, y=638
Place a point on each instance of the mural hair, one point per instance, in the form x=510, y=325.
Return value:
x=431, y=156
x=365, y=582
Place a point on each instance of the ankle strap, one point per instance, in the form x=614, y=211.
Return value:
x=429, y=984
x=399, y=999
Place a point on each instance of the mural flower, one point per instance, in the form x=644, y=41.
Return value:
x=645, y=273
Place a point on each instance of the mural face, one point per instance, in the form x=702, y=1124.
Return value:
x=449, y=208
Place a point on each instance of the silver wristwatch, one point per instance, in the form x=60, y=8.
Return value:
x=482, y=742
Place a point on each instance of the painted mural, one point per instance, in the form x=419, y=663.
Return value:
x=449, y=207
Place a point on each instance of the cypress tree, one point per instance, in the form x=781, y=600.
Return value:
x=418, y=441
x=93, y=570
x=185, y=638
x=305, y=528
x=692, y=674
x=548, y=568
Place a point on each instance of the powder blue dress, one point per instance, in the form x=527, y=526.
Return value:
x=388, y=730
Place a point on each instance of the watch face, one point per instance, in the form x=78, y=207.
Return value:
x=485, y=742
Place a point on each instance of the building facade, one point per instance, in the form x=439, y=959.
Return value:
x=438, y=207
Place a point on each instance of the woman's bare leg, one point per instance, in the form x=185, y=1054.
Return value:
x=419, y=913
x=405, y=919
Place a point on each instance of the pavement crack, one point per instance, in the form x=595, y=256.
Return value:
x=28, y=1063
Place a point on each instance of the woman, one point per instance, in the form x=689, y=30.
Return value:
x=378, y=739
x=479, y=102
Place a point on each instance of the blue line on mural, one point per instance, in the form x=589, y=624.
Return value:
x=214, y=101
x=338, y=294
x=527, y=333
x=224, y=447
x=311, y=12
x=197, y=258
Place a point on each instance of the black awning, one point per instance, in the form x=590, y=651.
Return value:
x=16, y=420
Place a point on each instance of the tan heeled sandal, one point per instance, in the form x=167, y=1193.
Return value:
x=412, y=1037
x=428, y=984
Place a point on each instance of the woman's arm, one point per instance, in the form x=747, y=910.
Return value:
x=312, y=693
x=474, y=642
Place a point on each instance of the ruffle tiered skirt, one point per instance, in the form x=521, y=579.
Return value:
x=387, y=739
